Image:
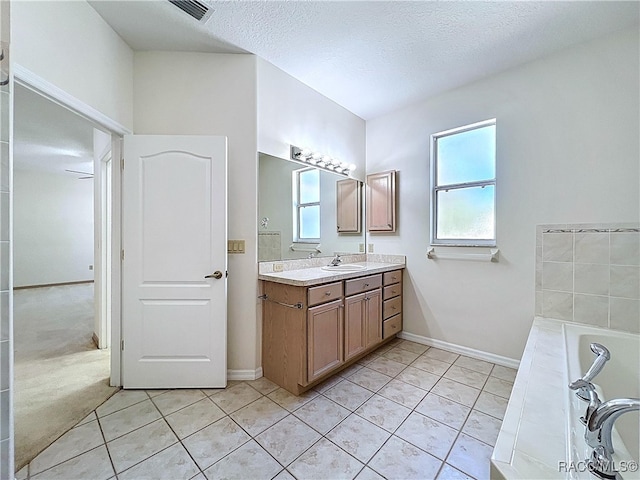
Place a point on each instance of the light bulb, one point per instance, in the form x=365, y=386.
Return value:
x=352, y=167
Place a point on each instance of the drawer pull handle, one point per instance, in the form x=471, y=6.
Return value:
x=393, y=307
x=366, y=284
x=393, y=278
x=328, y=294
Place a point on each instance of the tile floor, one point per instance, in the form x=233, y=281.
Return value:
x=405, y=411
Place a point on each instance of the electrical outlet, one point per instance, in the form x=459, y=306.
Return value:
x=90, y=267
x=278, y=267
x=371, y=248
x=361, y=248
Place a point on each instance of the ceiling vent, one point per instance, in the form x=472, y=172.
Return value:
x=196, y=9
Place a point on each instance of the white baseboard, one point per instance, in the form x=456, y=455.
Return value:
x=469, y=352
x=244, y=374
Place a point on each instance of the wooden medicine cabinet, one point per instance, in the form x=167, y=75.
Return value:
x=381, y=202
x=349, y=206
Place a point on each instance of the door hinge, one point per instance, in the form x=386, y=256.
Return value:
x=122, y=163
x=122, y=255
x=122, y=345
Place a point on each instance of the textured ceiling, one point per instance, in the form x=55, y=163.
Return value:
x=373, y=57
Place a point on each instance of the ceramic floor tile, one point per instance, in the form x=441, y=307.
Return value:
x=287, y=439
x=124, y=421
x=370, y=379
x=401, y=460
x=89, y=418
x=323, y=461
x=174, y=400
x=327, y=384
x=368, y=474
x=263, y=385
x=322, y=414
x=466, y=376
x=402, y=393
x=359, y=437
x=499, y=387
x=386, y=366
x=368, y=359
x=190, y=419
x=140, y=444
x=425, y=433
x=431, y=365
x=284, y=475
x=471, y=456
x=483, y=427
x=418, y=378
x=290, y=401
x=491, y=404
x=210, y=444
x=413, y=347
x=456, y=391
x=442, y=355
x=236, y=397
x=94, y=464
x=444, y=410
x=120, y=400
x=259, y=415
x=348, y=394
x=23, y=473
x=402, y=356
x=76, y=441
x=173, y=463
x=504, y=373
x=383, y=412
x=155, y=392
x=447, y=472
x=212, y=391
x=249, y=461
x=474, y=364
x=347, y=372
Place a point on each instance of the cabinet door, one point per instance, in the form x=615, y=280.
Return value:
x=373, y=303
x=325, y=339
x=348, y=204
x=381, y=202
x=355, y=336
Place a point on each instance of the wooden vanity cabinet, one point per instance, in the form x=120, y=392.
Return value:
x=310, y=333
x=392, y=303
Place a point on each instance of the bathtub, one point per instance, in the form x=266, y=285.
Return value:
x=541, y=435
x=619, y=378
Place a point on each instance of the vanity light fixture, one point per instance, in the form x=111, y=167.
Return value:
x=318, y=160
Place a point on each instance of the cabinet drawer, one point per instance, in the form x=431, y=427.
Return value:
x=391, y=291
x=324, y=293
x=362, y=284
x=392, y=277
x=392, y=326
x=391, y=307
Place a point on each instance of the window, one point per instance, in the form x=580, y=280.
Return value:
x=463, y=185
x=307, y=205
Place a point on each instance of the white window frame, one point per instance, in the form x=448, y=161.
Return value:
x=461, y=242
x=298, y=205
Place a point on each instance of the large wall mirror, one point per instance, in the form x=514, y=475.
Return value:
x=289, y=192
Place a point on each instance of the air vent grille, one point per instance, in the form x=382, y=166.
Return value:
x=194, y=8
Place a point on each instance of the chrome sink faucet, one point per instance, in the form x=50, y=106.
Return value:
x=599, y=420
x=596, y=367
x=336, y=261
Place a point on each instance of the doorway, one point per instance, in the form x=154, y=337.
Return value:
x=61, y=169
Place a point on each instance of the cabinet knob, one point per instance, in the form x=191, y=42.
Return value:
x=366, y=285
x=328, y=294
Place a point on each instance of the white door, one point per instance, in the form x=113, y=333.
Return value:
x=174, y=300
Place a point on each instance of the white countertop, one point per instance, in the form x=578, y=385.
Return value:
x=310, y=276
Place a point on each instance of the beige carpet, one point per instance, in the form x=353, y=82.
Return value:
x=59, y=374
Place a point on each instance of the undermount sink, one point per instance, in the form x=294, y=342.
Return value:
x=344, y=267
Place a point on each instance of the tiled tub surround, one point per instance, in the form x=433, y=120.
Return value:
x=538, y=437
x=589, y=274
x=405, y=411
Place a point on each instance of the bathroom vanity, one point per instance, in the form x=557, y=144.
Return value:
x=317, y=321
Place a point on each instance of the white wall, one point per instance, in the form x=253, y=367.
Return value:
x=69, y=45
x=52, y=228
x=567, y=151
x=291, y=113
x=214, y=94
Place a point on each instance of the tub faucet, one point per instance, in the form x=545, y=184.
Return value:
x=596, y=367
x=336, y=261
x=598, y=433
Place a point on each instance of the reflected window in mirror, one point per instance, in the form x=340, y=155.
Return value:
x=307, y=205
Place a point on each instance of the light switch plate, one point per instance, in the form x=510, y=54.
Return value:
x=371, y=248
x=361, y=248
x=235, y=246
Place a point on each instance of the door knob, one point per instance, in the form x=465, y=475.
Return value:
x=217, y=275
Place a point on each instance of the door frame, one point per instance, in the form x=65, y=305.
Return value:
x=37, y=84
